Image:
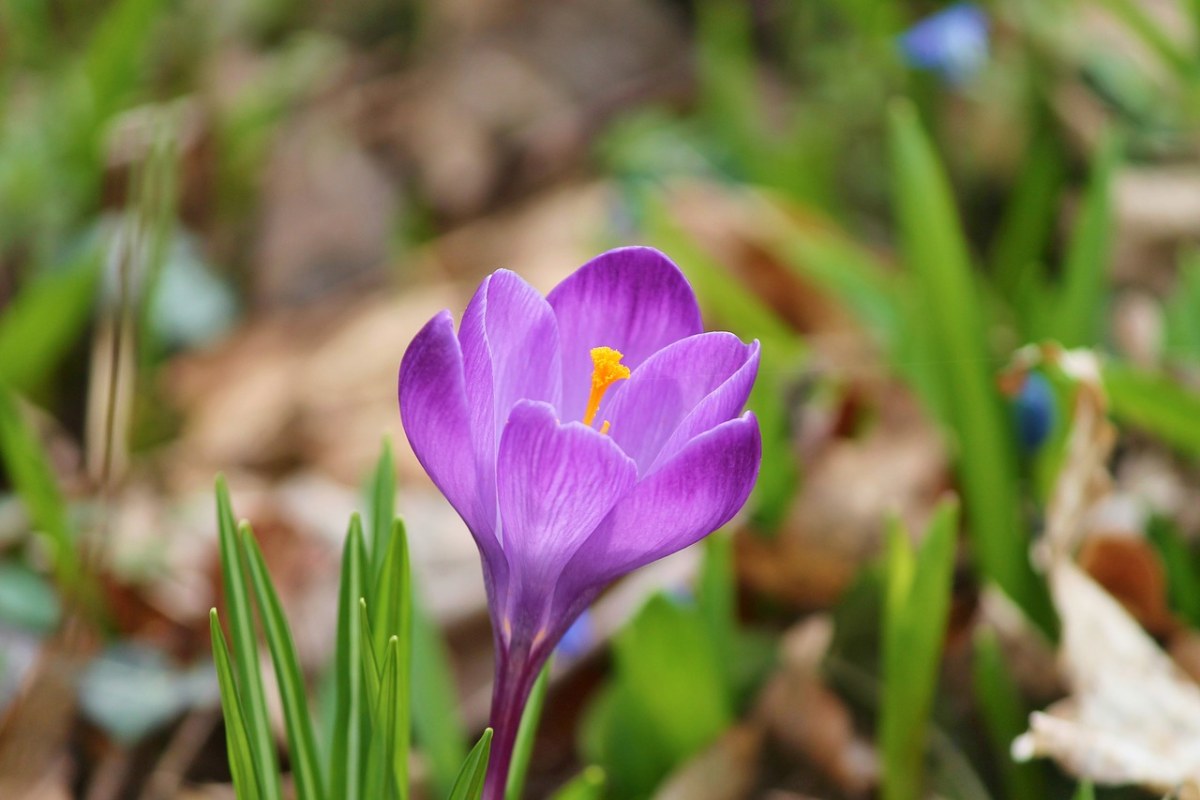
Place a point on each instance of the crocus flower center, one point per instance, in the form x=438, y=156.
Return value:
x=607, y=369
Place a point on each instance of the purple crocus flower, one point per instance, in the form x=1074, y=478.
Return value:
x=952, y=43
x=580, y=436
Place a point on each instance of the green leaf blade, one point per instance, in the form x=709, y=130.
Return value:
x=301, y=739
x=237, y=742
x=948, y=317
x=469, y=785
x=916, y=610
x=245, y=652
x=351, y=725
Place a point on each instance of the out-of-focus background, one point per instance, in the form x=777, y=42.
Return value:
x=222, y=221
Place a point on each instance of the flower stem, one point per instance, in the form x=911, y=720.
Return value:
x=515, y=676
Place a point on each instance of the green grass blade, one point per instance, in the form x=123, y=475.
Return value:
x=378, y=776
x=351, y=716
x=916, y=609
x=1029, y=215
x=393, y=599
x=383, y=507
x=587, y=785
x=1005, y=716
x=951, y=319
x=1156, y=404
x=370, y=661
x=306, y=766
x=237, y=743
x=469, y=785
x=437, y=722
x=1079, y=310
x=42, y=322
x=527, y=735
x=1085, y=792
x=245, y=648
x=33, y=478
x=389, y=721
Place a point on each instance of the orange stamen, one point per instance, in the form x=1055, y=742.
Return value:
x=607, y=369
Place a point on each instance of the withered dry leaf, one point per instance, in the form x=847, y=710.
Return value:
x=1134, y=716
x=1130, y=570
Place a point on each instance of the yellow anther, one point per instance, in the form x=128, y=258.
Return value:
x=604, y=428
x=607, y=369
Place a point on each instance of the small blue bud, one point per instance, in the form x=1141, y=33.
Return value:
x=1033, y=412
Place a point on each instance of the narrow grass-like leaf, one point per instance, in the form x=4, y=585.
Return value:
x=237, y=742
x=1005, y=716
x=390, y=724
x=531, y=716
x=1029, y=215
x=378, y=777
x=1079, y=309
x=951, y=319
x=306, y=766
x=370, y=661
x=1156, y=404
x=351, y=716
x=383, y=507
x=469, y=785
x=1085, y=792
x=44, y=321
x=245, y=649
x=587, y=785
x=437, y=722
x=393, y=599
x=33, y=478
x=391, y=611
x=916, y=608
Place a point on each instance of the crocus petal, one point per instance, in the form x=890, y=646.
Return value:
x=556, y=482
x=433, y=408
x=702, y=379
x=632, y=299
x=693, y=494
x=509, y=339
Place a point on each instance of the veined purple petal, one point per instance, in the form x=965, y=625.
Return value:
x=433, y=408
x=703, y=380
x=509, y=340
x=556, y=482
x=632, y=299
x=722, y=404
x=693, y=494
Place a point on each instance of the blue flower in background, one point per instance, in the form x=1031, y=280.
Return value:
x=952, y=43
x=578, y=638
x=1033, y=411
